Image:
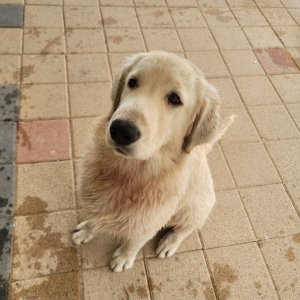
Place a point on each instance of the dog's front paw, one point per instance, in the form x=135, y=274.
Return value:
x=121, y=261
x=82, y=234
x=168, y=245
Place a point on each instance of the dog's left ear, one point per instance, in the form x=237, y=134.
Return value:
x=207, y=118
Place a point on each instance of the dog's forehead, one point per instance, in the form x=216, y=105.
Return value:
x=169, y=70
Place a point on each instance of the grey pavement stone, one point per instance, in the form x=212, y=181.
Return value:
x=9, y=102
x=7, y=142
x=5, y=247
x=7, y=187
x=3, y=290
x=11, y=15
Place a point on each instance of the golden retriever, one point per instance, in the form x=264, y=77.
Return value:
x=147, y=167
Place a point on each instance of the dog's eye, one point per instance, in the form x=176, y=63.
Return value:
x=174, y=99
x=133, y=83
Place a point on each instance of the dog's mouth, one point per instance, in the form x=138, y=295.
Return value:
x=121, y=150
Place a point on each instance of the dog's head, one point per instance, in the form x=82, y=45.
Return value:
x=160, y=100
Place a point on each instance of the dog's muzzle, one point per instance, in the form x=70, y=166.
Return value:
x=123, y=132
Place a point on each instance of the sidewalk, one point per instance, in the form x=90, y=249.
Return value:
x=57, y=58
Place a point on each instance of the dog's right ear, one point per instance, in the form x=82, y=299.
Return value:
x=120, y=77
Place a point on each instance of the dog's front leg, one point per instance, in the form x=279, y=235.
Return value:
x=124, y=257
x=82, y=233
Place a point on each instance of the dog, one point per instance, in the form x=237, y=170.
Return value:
x=147, y=168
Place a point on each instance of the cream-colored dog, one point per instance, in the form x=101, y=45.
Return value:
x=147, y=165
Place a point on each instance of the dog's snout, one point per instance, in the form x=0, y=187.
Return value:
x=124, y=132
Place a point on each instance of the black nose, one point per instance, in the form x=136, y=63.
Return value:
x=124, y=132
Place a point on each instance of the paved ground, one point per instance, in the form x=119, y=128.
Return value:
x=56, y=67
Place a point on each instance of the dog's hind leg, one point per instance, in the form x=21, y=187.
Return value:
x=124, y=257
x=189, y=217
x=170, y=242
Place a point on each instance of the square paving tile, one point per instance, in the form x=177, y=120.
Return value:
x=234, y=275
x=274, y=216
x=106, y=285
x=291, y=3
x=270, y=211
x=179, y=3
x=43, y=101
x=99, y=251
x=7, y=142
x=250, y=164
x=124, y=40
x=6, y=227
x=7, y=189
x=13, y=40
x=121, y=2
x=294, y=110
x=88, y=68
x=82, y=17
x=58, y=286
x=11, y=15
x=43, y=69
x=12, y=1
x=9, y=102
x=43, y=141
x=220, y=172
x=43, y=16
x=257, y=90
x=85, y=40
x=44, y=41
x=187, y=17
x=278, y=17
x=295, y=54
x=246, y=58
x=289, y=35
x=154, y=17
x=276, y=61
x=80, y=129
x=44, y=2
x=286, y=156
x=293, y=189
x=268, y=3
x=249, y=17
x=119, y=17
x=219, y=17
x=212, y=3
x=262, y=37
x=190, y=243
x=90, y=99
x=273, y=122
x=283, y=258
x=242, y=130
x=116, y=60
x=228, y=223
x=82, y=3
x=210, y=62
x=227, y=91
x=195, y=39
x=295, y=12
x=230, y=38
x=241, y=3
x=162, y=39
x=9, y=69
x=4, y=286
x=283, y=84
x=183, y=276
x=45, y=187
x=42, y=245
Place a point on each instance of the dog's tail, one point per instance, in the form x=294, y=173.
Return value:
x=223, y=128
